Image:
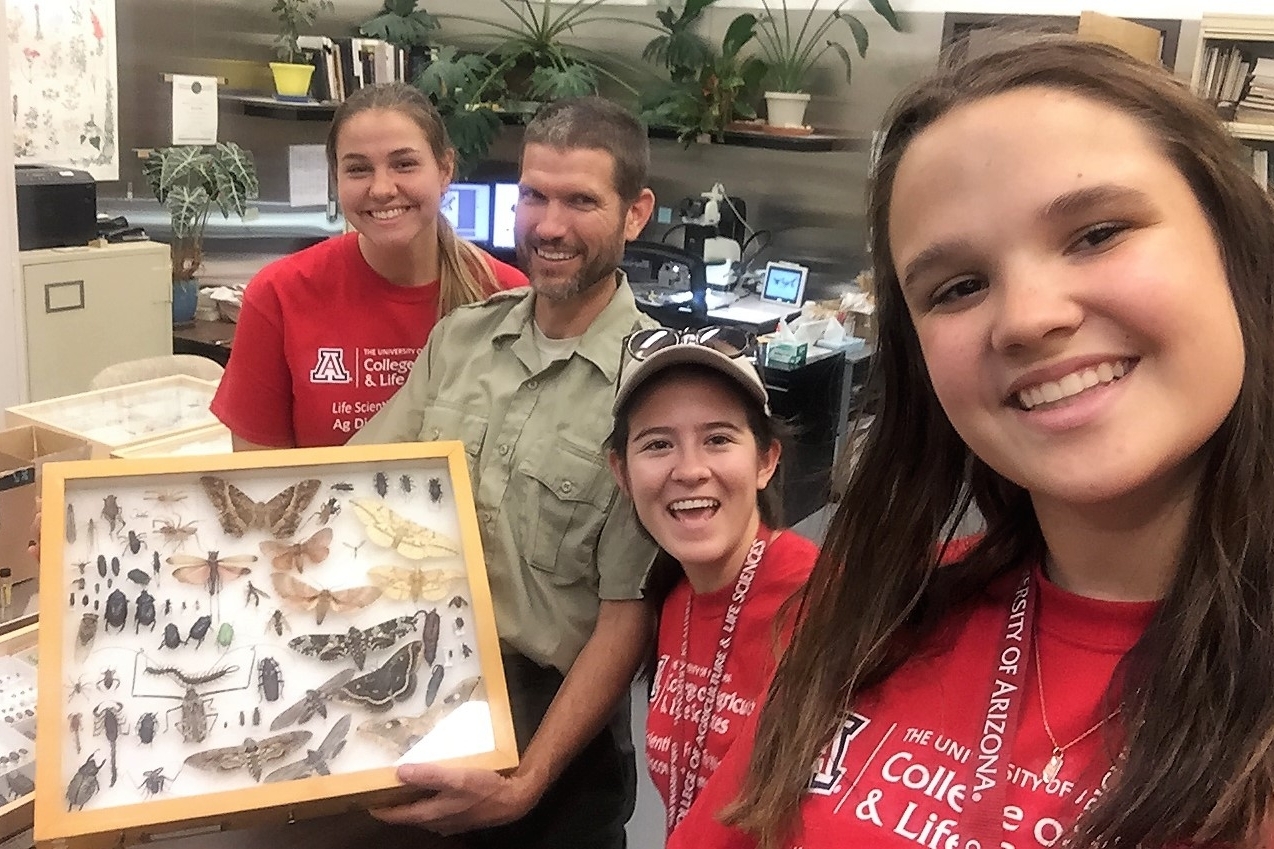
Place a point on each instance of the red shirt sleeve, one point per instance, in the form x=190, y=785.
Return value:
x=254, y=399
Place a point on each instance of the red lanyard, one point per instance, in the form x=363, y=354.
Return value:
x=682, y=794
x=985, y=778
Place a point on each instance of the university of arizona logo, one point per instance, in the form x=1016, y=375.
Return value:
x=830, y=767
x=330, y=367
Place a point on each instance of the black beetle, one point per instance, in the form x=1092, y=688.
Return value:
x=101, y=565
x=115, y=566
x=172, y=637
x=137, y=576
x=116, y=614
x=145, y=613
x=270, y=679
x=199, y=630
x=147, y=725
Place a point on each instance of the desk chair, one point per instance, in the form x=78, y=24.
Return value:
x=134, y=371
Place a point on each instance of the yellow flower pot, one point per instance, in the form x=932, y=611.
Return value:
x=291, y=82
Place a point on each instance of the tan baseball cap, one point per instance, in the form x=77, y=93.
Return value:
x=740, y=369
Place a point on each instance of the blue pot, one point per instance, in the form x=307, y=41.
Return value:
x=185, y=300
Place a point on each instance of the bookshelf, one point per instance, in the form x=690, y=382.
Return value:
x=1231, y=49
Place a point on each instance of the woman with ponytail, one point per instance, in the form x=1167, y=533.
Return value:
x=328, y=334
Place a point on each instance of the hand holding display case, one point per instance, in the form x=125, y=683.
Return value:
x=256, y=635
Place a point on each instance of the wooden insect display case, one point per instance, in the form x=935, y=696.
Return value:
x=17, y=729
x=208, y=440
x=242, y=638
x=122, y=415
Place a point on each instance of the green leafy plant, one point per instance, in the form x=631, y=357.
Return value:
x=294, y=15
x=792, y=53
x=456, y=82
x=189, y=181
x=401, y=23
x=706, y=98
x=679, y=48
x=532, y=44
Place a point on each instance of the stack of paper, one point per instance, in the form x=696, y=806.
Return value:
x=1257, y=104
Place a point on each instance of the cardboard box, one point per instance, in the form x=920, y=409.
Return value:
x=239, y=626
x=23, y=453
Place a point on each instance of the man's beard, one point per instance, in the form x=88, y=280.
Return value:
x=596, y=269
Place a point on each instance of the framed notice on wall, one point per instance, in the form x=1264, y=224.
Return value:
x=63, y=73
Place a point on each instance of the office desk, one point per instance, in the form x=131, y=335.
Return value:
x=211, y=339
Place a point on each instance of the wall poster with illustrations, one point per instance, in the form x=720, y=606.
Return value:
x=63, y=74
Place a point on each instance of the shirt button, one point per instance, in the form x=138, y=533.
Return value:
x=532, y=385
x=486, y=517
x=567, y=486
x=504, y=450
x=433, y=434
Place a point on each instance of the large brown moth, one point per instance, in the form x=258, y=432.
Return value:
x=322, y=601
x=395, y=681
x=390, y=530
x=250, y=753
x=314, y=703
x=293, y=557
x=315, y=761
x=238, y=513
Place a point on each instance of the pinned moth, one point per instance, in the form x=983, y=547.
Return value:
x=212, y=571
x=314, y=703
x=250, y=754
x=416, y=583
x=238, y=513
x=395, y=681
x=400, y=733
x=355, y=643
x=390, y=530
x=315, y=761
x=294, y=557
x=320, y=600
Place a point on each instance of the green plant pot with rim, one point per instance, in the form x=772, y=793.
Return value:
x=291, y=81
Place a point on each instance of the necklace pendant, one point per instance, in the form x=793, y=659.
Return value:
x=1053, y=767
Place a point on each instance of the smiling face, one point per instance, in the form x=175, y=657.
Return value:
x=388, y=180
x=1068, y=294
x=571, y=223
x=693, y=469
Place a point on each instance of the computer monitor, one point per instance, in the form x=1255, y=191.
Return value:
x=784, y=284
x=504, y=210
x=467, y=206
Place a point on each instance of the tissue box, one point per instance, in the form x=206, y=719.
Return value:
x=786, y=353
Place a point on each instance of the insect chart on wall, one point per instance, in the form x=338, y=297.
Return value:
x=63, y=81
x=226, y=629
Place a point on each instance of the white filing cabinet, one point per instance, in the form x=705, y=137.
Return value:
x=88, y=308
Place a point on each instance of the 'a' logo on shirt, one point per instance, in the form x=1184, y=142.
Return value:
x=829, y=769
x=330, y=367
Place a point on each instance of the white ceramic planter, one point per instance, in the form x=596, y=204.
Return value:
x=786, y=108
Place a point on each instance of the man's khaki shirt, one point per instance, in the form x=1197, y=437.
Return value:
x=557, y=535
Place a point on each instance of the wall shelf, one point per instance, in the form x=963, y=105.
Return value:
x=265, y=106
x=813, y=143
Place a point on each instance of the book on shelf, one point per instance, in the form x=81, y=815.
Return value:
x=1245, y=114
x=344, y=65
x=1261, y=167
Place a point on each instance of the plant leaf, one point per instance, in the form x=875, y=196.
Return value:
x=574, y=79
x=739, y=33
x=886, y=11
x=857, y=28
x=844, y=55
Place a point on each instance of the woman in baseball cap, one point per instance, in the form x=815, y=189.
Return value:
x=696, y=449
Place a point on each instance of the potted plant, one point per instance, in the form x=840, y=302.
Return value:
x=400, y=23
x=532, y=63
x=708, y=88
x=292, y=77
x=791, y=53
x=189, y=181
x=462, y=86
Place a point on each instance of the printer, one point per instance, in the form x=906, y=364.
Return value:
x=57, y=207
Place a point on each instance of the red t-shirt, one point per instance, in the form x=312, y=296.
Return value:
x=894, y=775
x=323, y=342
x=749, y=664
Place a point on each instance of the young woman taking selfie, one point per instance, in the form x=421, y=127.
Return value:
x=1075, y=278
x=696, y=449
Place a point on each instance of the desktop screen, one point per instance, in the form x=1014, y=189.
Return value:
x=467, y=206
x=783, y=284
x=506, y=202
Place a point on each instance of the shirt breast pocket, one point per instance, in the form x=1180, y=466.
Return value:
x=443, y=421
x=565, y=497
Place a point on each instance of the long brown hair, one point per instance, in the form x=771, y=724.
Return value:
x=464, y=276
x=1195, y=691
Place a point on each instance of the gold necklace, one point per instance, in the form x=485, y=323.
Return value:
x=1054, y=765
